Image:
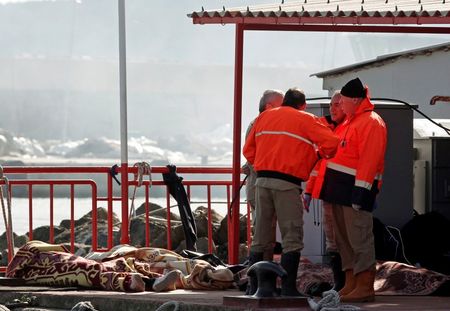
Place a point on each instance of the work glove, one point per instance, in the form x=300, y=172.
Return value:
x=306, y=201
x=356, y=207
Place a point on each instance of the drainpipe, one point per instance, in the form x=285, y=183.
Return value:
x=438, y=98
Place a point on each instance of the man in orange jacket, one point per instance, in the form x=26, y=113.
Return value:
x=313, y=188
x=351, y=182
x=283, y=146
x=270, y=99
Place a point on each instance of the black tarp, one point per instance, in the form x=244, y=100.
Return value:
x=177, y=191
x=427, y=243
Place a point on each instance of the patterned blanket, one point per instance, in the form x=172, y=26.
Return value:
x=392, y=278
x=123, y=268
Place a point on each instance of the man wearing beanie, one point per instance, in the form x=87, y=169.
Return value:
x=312, y=190
x=283, y=146
x=351, y=182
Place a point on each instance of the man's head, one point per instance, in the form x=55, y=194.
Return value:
x=336, y=112
x=295, y=98
x=270, y=99
x=352, y=95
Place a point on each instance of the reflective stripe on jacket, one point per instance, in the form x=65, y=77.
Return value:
x=312, y=187
x=284, y=143
x=354, y=175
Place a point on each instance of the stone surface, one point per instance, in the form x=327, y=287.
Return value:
x=64, y=299
x=157, y=211
x=222, y=236
x=18, y=240
x=102, y=215
x=158, y=231
x=43, y=233
x=250, y=302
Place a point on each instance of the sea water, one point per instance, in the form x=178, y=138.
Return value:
x=61, y=210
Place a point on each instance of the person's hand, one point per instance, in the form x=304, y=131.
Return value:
x=246, y=169
x=356, y=207
x=306, y=201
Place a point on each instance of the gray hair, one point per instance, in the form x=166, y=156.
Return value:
x=337, y=94
x=268, y=96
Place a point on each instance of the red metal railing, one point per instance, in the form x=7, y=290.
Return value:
x=110, y=198
x=51, y=183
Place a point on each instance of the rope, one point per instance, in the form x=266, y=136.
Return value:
x=230, y=210
x=169, y=306
x=143, y=168
x=83, y=306
x=7, y=221
x=399, y=243
x=330, y=302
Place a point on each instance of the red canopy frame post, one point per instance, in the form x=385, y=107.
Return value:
x=233, y=235
x=382, y=19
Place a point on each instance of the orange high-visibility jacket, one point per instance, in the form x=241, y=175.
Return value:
x=354, y=175
x=312, y=187
x=285, y=143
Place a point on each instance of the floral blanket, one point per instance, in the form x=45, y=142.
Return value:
x=123, y=268
x=392, y=278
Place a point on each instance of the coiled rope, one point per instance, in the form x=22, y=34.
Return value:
x=83, y=306
x=6, y=211
x=169, y=306
x=330, y=302
x=143, y=168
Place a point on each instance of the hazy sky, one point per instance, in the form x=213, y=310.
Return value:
x=60, y=58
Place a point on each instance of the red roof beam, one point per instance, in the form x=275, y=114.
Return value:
x=348, y=28
x=333, y=20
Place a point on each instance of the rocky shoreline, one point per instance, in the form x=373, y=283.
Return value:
x=158, y=232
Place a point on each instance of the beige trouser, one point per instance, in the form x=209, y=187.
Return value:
x=250, y=186
x=354, y=238
x=251, y=200
x=328, y=228
x=288, y=208
x=268, y=253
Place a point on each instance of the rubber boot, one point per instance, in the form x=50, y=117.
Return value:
x=350, y=283
x=338, y=274
x=290, y=262
x=252, y=284
x=364, y=291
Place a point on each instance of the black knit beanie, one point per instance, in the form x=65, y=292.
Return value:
x=354, y=89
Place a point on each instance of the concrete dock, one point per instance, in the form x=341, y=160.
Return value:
x=61, y=299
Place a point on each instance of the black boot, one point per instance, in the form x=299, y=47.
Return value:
x=252, y=285
x=290, y=262
x=338, y=274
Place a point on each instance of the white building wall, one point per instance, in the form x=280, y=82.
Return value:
x=414, y=80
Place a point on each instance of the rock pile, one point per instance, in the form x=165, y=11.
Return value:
x=158, y=232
